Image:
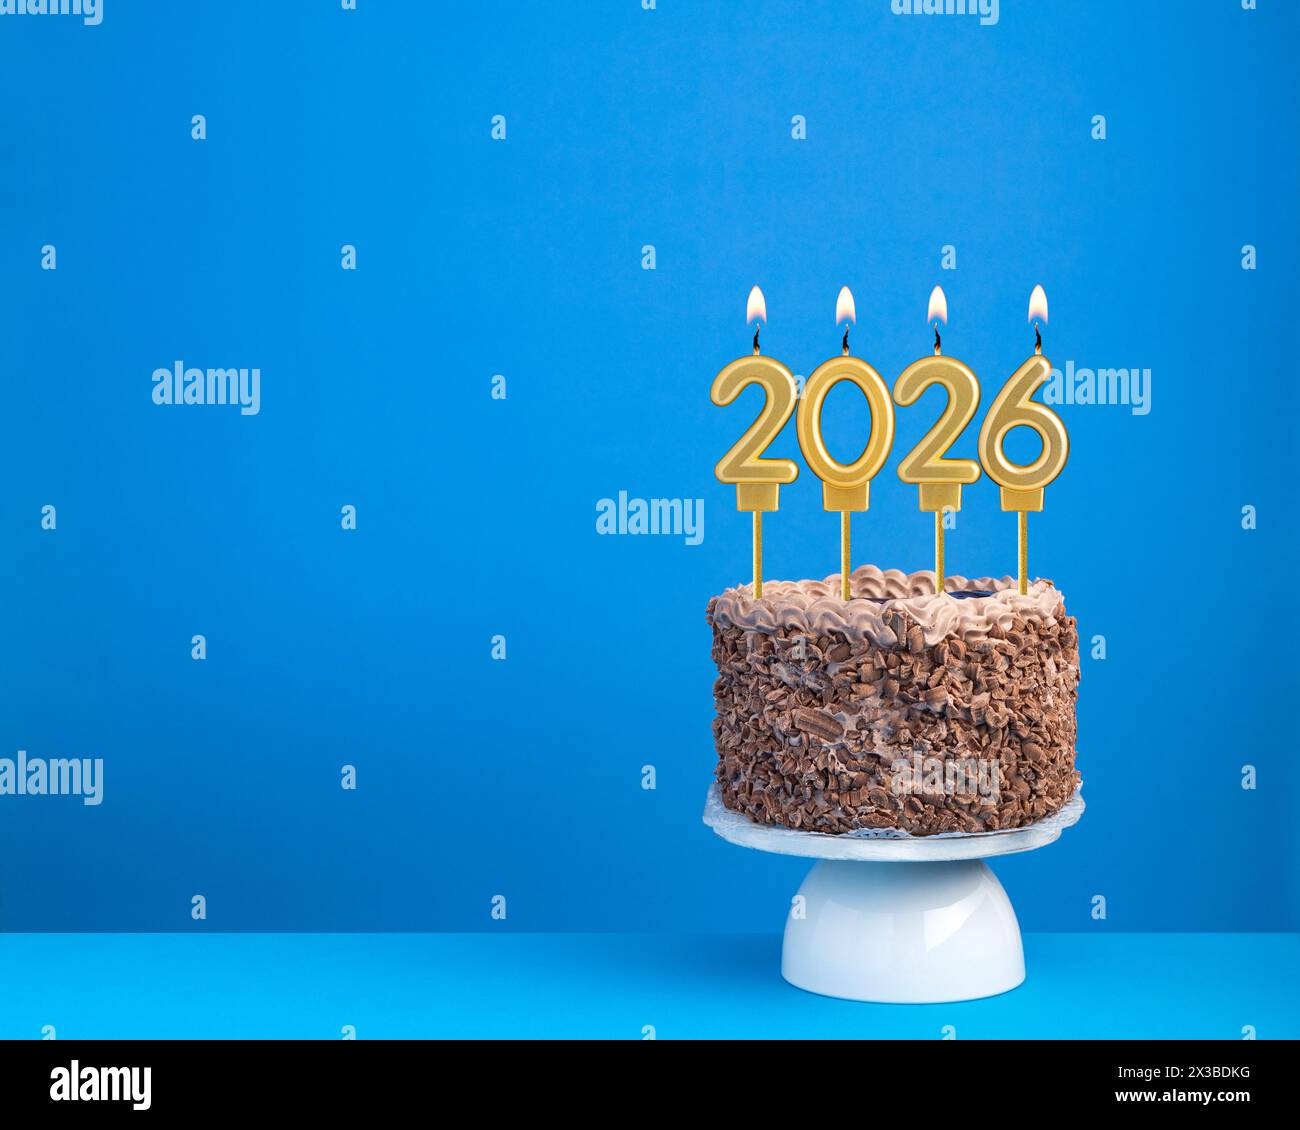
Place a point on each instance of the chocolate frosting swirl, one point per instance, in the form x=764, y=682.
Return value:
x=815, y=607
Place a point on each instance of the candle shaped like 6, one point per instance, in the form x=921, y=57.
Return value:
x=1023, y=486
x=939, y=480
x=845, y=487
x=757, y=480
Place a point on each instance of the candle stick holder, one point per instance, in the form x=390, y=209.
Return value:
x=914, y=920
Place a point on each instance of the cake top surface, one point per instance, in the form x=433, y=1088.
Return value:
x=816, y=607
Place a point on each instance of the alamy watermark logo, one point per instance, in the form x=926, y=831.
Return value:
x=986, y=10
x=179, y=385
x=939, y=777
x=1130, y=387
x=679, y=517
x=54, y=776
x=75, y=1083
x=90, y=11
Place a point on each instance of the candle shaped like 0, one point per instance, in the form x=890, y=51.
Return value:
x=939, y=480
x=757, y=480
x=1023, y=486
x=845, y=487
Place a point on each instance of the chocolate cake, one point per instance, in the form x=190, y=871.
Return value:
x=899, y=708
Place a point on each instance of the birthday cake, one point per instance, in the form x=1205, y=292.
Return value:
x=898, y=709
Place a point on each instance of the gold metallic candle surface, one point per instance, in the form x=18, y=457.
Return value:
x=1022, y=551
x=757, y=479
x=846, y=553
x=1023, y=486
x=939, y=479
x=845, y=487
x=939, y=575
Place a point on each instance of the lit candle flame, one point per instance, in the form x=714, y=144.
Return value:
x=845, y=312
x=938, y=311
x=1037, y=313
x=756, y=310
x=844, y=308
x=1038, y=305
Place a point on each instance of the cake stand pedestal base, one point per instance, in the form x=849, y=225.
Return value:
x=902, y=933
x=906, y=920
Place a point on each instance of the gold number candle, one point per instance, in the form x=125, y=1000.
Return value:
x=758, y=480
x=845, y=487
x=1023, y=486
x=939, y=480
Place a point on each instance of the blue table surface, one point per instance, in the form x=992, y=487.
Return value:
x=615, y=986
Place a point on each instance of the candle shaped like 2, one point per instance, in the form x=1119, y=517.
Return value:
x=757, y=480
x=845, y=487
x=1023, y=486
x=939, y=480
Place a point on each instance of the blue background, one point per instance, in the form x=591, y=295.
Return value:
x=610, y=986
x=626, y=127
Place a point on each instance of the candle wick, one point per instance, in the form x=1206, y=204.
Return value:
x=1038, y=341
x=938, y=343
x=756, y=329
x=845, y=343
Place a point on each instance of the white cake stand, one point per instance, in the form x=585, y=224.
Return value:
x=864, y=928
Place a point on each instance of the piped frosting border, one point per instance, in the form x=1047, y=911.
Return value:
x=815, y=607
